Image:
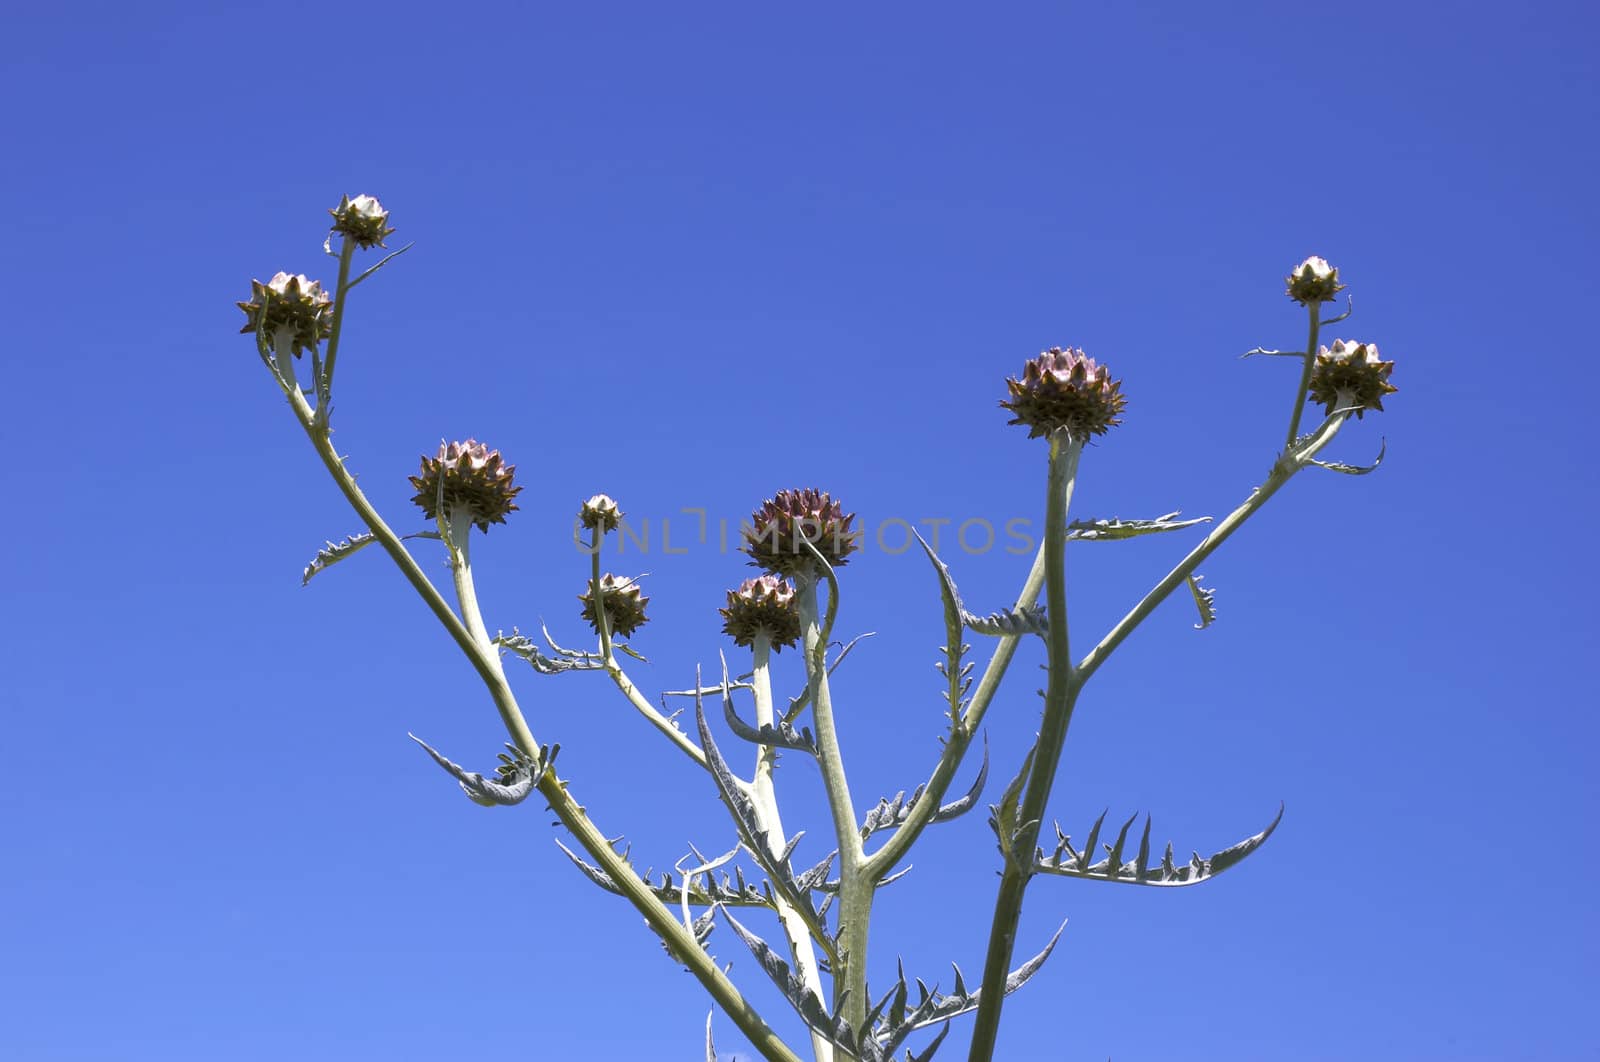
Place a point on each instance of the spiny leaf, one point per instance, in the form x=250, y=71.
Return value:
x=711, y=1048
x=728, y=891
x=518, y=775
x=570, y=660
x=956, y=670
x=933, y=1007
x=1205, y=600
x=1115, y=529
x=1069, y=862
x=1003, y=817
x=1355, y=470
x=806, y=1004
x=926, y=1054
x=1011, y=623
x=893, y=811
x=334, y=552
x=780, y=735
x=756, y=837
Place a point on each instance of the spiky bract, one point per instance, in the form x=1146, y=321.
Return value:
x=765, y=603
x=600, y=512
x=1351, y=374
x=363, y=219
x=1065, y=389
x=623, y=603
x=291, y=306
x=1313, y=280
x=466, y=476
x=777, y=534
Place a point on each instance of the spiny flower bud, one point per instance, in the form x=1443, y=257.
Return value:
x=777, y=533
x=765, y=603
x=600, y=512
x=1313, y=280
x=1351, y=374
x=1065, y=389
x=291, y=305
x=363, y=219
x=623, y=603
x=470, y=476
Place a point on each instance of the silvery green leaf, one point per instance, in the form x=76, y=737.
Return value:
x=385, y=260
x=1115, y=529
x=516, y=782
x=756, y=838
x=518, y=645
x=1012, y=623
x=1070, y=862
x=728, y=891
x=956, y=670
x=964, y=803
x=926, y=1054
x=780, y=735
x=831, y=888
x=1003, y=817
x=815, y=877
x=893, y=811
x=807, y=1005
x=1350, y=308
x=334, y=552
x=1205, y=600
x=711, y=1048
x=1355, y=470
x=933, y=1007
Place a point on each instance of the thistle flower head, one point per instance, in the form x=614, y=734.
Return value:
x=466, y=476
x=765, y=603
x=622, y=601
x=363, y=220
x=1065, y=389
x=289, y=306
x=1351, y=374
x=600, y=512
x=777, y=534
x=1313, y=280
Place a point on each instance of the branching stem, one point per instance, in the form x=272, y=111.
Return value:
x=1061, y=694
x=657, y=915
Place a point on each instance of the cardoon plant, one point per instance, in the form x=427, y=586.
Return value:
x=801, y=538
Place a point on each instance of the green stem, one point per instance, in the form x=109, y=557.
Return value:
x=765, y=798
x=1061, y=694
x=855, y=886
x=568, y=811
x=324, y=386
x=613, y=667
x=1309, y=364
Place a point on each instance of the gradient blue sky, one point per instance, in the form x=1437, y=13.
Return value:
x=690, y=254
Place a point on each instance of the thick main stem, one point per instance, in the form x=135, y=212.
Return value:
x=766, y=801
x=855, y=885
x=1061, y=693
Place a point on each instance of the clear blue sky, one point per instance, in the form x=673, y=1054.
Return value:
x=691, y=254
